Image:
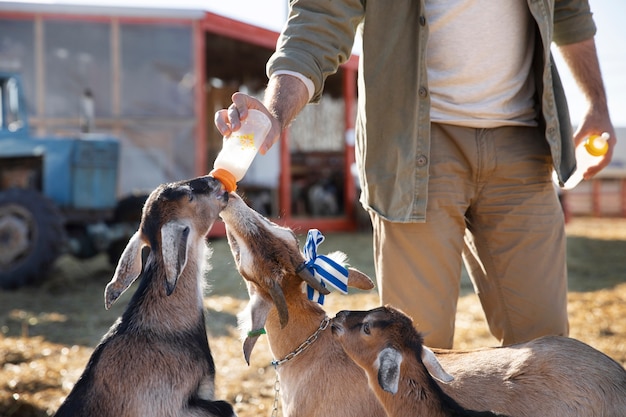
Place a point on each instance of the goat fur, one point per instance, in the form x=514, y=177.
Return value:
x=155, y=360
x=551, y=376
x=322, y=381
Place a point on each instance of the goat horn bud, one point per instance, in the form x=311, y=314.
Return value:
x=281, y=304
x=306, y=276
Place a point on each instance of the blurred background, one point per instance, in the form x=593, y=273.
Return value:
x=104, y=100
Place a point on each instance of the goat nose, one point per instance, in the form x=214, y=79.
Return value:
x=336, y=328
x=340, y=317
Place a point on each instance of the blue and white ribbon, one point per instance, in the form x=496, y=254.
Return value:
x=323, y=268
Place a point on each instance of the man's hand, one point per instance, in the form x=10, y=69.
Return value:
x=285, y=97
x=229, y=120
x=594, y=123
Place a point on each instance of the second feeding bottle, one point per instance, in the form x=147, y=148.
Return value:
x=238, y=150
x=588, y=153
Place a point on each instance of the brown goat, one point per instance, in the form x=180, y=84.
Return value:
x=549, y=377
x=155, y=360
x=316, y=378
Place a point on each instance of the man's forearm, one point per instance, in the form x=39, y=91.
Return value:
x=582, y=60
x=285, y=97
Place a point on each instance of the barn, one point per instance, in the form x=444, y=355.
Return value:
x=155, y=76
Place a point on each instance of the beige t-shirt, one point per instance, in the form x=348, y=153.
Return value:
x=479, y=57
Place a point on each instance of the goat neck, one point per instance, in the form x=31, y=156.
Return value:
x=305, y=318
x=180, y=310
x=418, y=394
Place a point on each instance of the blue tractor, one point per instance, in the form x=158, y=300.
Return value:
x=57, y=194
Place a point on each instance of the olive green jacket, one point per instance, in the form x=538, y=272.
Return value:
x=393, y=124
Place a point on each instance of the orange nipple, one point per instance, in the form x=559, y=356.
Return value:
x=225, y=177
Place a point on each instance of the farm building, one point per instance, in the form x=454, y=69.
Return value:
x=156, y=75
x=154, y=78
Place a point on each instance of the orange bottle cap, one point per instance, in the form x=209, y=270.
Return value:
x=226, y=178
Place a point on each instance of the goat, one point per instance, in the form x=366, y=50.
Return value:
x=316, y=377
x=550, y=376
x=395, y=371
x=155, y=360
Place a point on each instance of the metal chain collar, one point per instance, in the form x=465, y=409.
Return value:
x=276, y=363
x=308, y=342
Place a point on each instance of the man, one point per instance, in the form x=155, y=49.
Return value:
x=461, y=120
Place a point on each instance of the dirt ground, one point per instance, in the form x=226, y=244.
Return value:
x=47, y=333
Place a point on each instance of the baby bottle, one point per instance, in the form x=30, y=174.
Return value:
x=240, y=148
x=588, y=153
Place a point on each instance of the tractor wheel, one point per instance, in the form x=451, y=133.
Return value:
x=32, y=236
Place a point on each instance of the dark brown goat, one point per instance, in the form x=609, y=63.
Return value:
x=155, y=361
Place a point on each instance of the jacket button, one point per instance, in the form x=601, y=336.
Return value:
x=422, y=160
x=423, y=92
x=422, y=20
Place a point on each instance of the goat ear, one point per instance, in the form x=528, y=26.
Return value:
x=127, y=270
x=434, y=367
x=174, y=246
x=357, y=279
x=252, y=320
x=389, y=360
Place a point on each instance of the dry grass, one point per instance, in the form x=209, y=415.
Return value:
x=48, y=333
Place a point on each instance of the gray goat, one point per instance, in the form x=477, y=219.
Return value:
x=155, y=360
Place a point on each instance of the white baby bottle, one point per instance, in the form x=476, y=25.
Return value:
x=240, y=148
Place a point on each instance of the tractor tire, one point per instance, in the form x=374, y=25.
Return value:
x=32, y=236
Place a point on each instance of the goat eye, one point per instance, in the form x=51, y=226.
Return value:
x=366, y=328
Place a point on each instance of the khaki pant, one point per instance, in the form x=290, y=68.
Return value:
x=491, y=202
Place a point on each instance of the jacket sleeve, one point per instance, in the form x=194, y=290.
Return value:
x=573, y=22
x=317, y=39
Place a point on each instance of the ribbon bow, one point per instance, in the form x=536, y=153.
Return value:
x=323, y=268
